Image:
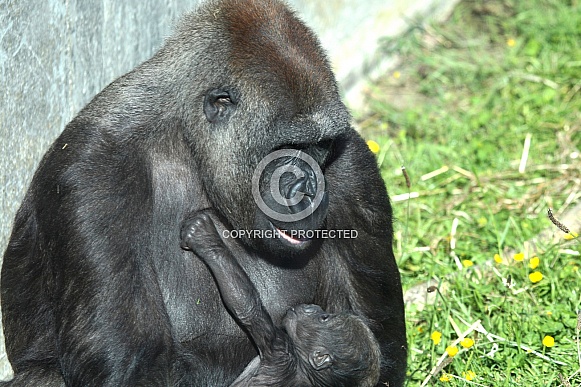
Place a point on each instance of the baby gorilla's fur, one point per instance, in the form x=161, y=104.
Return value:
x=314, y=348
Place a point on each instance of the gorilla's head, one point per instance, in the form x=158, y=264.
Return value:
x=259, y=83
x=333, y=349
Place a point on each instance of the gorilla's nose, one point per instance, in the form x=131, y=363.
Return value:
x=303, y=188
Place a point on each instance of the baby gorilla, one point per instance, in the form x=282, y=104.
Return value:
x=315, y=348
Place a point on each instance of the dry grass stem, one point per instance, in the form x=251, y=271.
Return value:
x=445, y=356
x=525, y=153
x=435, y=173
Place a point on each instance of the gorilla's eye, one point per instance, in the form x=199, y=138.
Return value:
x=324, y=317
x=218, y=104
x=224, y=100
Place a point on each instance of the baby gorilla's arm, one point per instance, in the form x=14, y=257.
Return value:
x=239, y=294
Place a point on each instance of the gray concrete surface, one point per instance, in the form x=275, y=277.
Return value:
x=55, y=55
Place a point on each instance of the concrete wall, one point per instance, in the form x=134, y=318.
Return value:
x=55, y=55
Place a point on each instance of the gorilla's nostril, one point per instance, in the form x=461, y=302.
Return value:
x=302, y=185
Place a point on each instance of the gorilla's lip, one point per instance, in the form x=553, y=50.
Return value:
x=286, y=237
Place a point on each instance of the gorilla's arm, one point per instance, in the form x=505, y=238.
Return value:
x=238, y=293
x=92, y=271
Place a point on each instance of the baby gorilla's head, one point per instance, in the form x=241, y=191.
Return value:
x=333, y=349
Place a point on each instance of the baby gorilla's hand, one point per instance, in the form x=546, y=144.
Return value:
x=200, y=235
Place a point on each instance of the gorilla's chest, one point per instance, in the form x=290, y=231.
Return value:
x=196, y=310
x=281, y=288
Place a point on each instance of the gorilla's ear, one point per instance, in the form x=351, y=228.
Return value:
x=218, y=104
x=320, y=359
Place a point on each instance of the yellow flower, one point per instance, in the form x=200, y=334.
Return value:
x=373, y=146
x=436, y=337
x=519, y=257
x=452, y=351
x=467, y=342
x=571, y=235
x=534, y=262
x=445, y=377
x=535, y=276
x=396, y=74
x=467, y=263
x=549, y=313
x=482, y=221
x=497, y=258
x=510, y=42
x=469, y=375
x=548, y=341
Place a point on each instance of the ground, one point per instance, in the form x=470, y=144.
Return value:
x=484, y=113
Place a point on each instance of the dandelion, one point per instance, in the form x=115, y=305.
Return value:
x=570, y=236
x=510, y=42
x=519, y=257
x=436, y=337
x=467, y=263
x=534, y=262
x=396, y=74
x=497, y=258
x=373, y=146
x=535, y=276
x=445, y=377
x=548, y=341
x=467, y=342
x=469, y=375
x=452, y=351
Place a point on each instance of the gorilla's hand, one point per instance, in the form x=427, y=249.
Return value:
x=200, y=235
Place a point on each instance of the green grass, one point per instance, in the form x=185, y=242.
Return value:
x=468, y=94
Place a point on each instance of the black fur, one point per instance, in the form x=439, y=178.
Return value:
x=314, y=349
x=95, y=288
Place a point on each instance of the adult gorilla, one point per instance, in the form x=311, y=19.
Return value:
x=96, y=290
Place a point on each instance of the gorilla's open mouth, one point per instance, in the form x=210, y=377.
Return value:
x=289, y=237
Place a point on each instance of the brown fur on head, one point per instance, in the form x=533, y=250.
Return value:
x=269, y=42
x=281, y=89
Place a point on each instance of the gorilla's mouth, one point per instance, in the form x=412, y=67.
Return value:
x=287, y=237
x=290, y=190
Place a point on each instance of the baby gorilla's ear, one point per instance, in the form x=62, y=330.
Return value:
x=320, y=359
